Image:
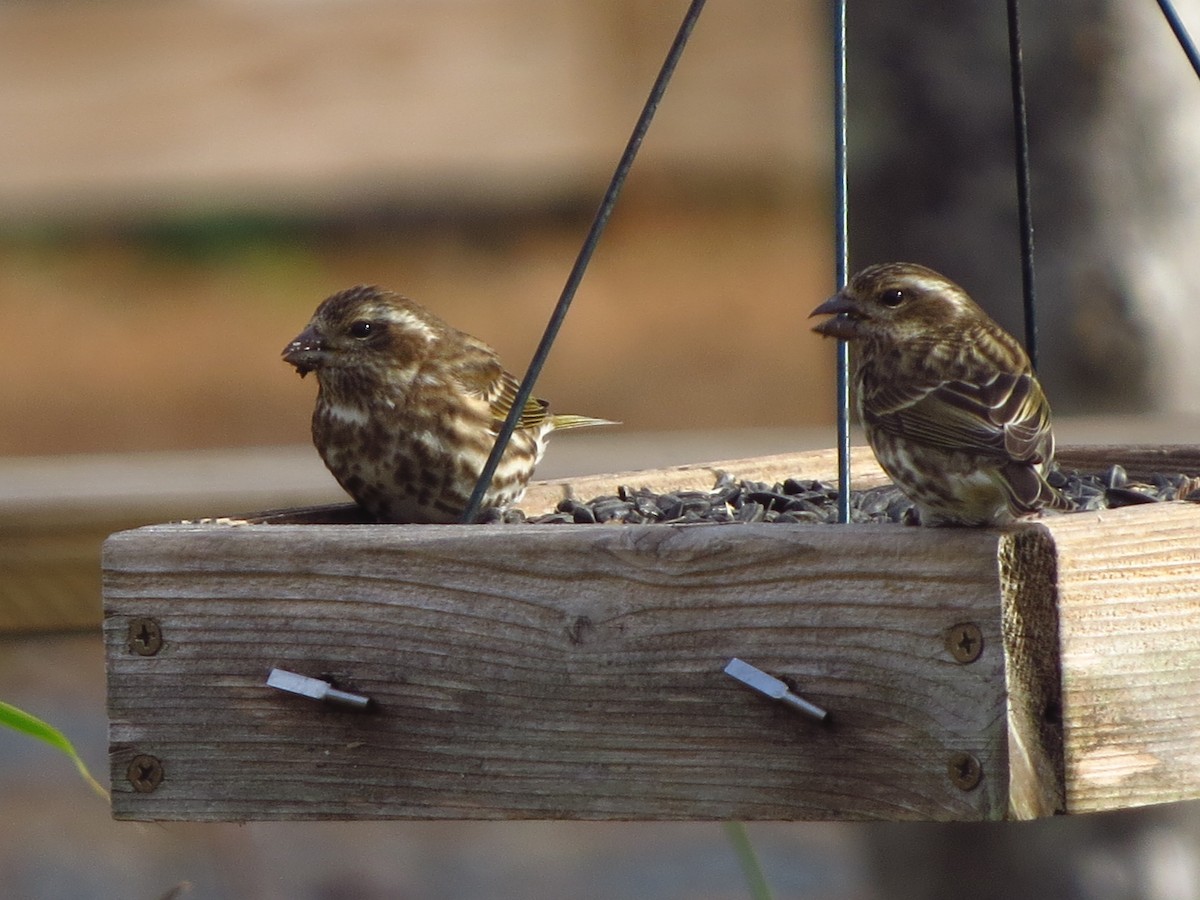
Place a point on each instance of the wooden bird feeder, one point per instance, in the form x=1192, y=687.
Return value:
x=577, y=671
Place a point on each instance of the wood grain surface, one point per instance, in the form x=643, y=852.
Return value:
x=1128, y=590
x=54, y=514
x=1032, y=673
x=576, y=672
x=555, y=672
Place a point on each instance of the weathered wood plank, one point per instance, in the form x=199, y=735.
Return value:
x=556, y=672
x=1032, y=673
x=1128, y=599
x=576, y=672
x=821, y=465
x=1139, y=460
x=54, y=514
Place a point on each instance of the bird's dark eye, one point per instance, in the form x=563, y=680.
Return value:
x=363, y=329
x=894, y=297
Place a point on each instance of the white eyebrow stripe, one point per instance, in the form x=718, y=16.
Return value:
x=407, y=320
x=928, y=284
x=932, y=285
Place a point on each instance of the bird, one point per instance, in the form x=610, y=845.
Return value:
x=948, y=399
x=408, y=408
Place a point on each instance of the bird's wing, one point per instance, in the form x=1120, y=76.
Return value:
x=1006, y=417
x=481, y=375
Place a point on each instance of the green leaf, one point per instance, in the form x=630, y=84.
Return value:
x=19, y=720
x=756, y=881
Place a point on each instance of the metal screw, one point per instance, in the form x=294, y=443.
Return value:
x=964, y=642
x=145, y=637
x=316, y=689
x=145, y=773
x=964, y=771
x=770, y=686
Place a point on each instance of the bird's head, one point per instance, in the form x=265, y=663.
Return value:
x=894, y=302
x=359, y=329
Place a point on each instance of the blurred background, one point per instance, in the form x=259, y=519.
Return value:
x=182, y=181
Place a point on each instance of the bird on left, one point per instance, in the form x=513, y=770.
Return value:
x=408, y=408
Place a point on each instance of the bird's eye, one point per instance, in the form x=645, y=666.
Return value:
x=363, y=329
x=893, y=298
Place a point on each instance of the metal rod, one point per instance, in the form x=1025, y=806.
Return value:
x=841, y=251
x=525, y=391
x=1181, y=34
x=1024, y=210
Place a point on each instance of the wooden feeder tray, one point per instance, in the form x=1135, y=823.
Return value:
x=576, y=672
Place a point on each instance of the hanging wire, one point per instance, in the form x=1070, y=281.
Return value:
x=841, y=252
x=525, y=391
x=1181, y=33
x=1024, y=210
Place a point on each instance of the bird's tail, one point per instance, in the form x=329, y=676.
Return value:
x=567, y=421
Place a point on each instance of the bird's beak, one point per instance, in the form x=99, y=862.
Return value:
x=846, y=316
x=306, y=352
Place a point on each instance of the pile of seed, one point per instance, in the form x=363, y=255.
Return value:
x=815, y=502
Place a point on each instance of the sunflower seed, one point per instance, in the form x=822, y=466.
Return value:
x=799, y=500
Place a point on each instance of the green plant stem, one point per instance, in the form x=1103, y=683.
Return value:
x=744, y=850
x=23, y=722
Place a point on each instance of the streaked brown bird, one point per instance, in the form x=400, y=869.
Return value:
x=948, y=399
x=408, y=408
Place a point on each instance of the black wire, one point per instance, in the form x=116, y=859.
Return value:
x=1181, y=33
x=841, y=251
x=1024, y=210
x=525, y=391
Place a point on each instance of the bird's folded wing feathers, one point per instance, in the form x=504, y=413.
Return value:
x=1006, y=417
x=482, y=376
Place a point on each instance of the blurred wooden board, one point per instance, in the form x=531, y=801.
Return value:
x=131, y=108
x=55, y=514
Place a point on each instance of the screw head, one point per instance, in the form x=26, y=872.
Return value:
x=965, y=771
x=145, y=636
x=964, y=642
x=145, y=773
